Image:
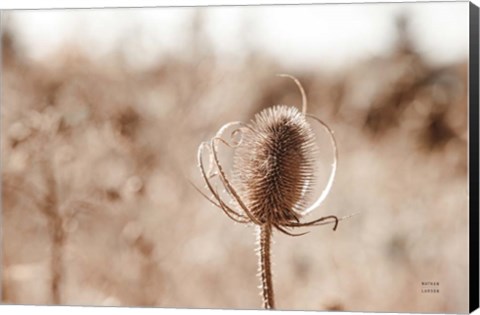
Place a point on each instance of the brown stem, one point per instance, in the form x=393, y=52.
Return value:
x=57, y=260
x=265, y=266
x=51, y=210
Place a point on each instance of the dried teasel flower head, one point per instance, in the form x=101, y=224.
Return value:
x=273, y=170
x=272, y=177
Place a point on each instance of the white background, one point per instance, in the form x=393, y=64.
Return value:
x=24, y=4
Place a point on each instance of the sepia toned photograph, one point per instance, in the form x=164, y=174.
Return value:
x=290, y=157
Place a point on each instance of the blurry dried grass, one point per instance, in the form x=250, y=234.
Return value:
x=105, y=153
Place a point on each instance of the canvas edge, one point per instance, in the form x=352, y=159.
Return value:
x=473, y=157
x=473, y=94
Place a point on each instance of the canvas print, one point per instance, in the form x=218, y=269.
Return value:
x=291, y=157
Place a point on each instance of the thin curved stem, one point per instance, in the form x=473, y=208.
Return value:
x=234, y=132
x=278, y=227
x=300, y=87
x=228, y=211
x=265, y=264
x=228, y=187
x=329, y=185
x=320, y=221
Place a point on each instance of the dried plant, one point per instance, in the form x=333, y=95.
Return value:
x=51, y=211
x=272, y=178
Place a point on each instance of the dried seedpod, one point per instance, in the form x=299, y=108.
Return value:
x=272, y=177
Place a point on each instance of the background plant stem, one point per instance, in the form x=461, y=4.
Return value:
x=52, y=211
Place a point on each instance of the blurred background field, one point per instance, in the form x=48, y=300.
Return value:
x=103, y=111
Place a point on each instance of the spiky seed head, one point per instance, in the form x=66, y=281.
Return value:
x=274, y=166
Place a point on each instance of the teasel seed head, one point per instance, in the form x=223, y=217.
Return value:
x=274, y=167
x=272, y=176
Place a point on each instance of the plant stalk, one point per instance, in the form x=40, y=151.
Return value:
x=55, y=222
x=265, y=266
